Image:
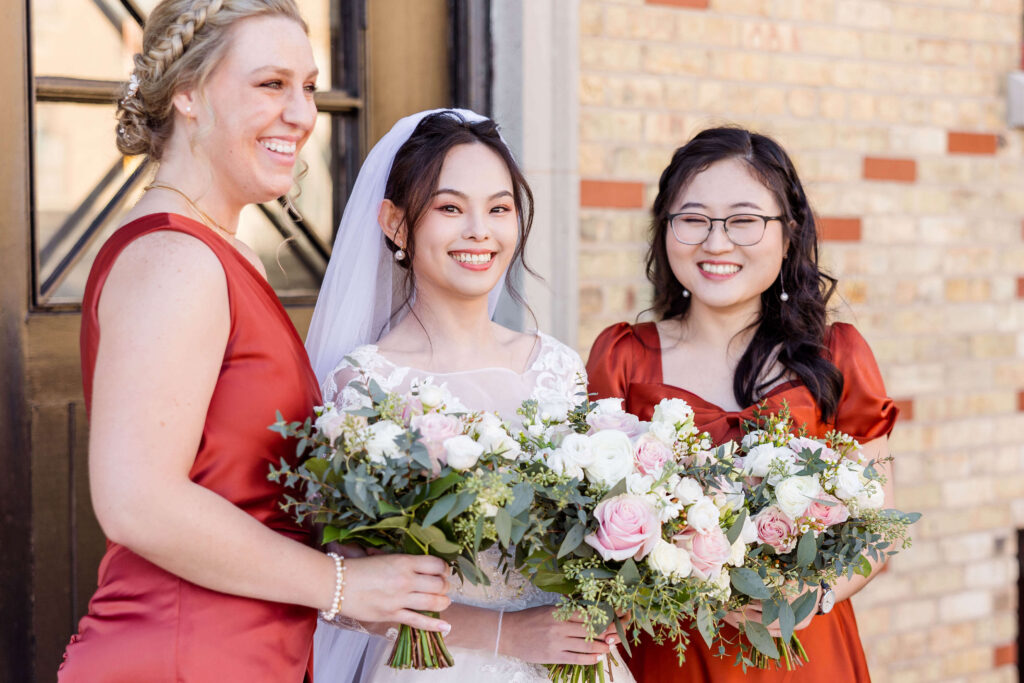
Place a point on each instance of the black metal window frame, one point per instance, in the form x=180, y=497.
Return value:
x=343, y=102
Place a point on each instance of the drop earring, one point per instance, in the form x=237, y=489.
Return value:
x=686, y=293
x=783, y=297
x=399, y=255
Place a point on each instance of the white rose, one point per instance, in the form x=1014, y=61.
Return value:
x=752, y=439
x=749, y=532
x=561, y=464
x=673, y=411
x=488, y=422
x=577, y=449
x=703, y=516
x=462, y=452
x=431, y=396
x=871, y=497
x=760, y=459
x=380, y=441
x=498, y=441
x=794, y=494
x=329, y=422
x=688, y=491
x=664, y=432
x=613, y=457
x=670, y=561
x=848, y=480
x=607, y=406
x=739, y=553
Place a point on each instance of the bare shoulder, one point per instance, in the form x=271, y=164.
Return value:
x=165, y=272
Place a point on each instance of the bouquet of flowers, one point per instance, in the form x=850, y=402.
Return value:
x=417, y=474
x=632, y=518
x=812, y=509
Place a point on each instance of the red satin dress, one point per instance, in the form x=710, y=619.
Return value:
x=146, y=624
x=625, y=362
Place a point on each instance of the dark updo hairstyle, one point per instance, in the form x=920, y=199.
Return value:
x=416, y=171
x=795, y=328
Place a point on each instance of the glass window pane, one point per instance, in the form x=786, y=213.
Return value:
x=92, y=39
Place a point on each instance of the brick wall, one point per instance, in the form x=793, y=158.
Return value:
x=895, y=114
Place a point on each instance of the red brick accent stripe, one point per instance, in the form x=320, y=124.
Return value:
x=879, y=168
x=839, y=229
x=1020, y=288
x=1020, y=401
x=611, y=194
x=691, y=4
x=1005, y=655
x=906, y=406
x=971, y=143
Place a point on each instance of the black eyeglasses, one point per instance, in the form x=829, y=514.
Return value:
x=742, y=229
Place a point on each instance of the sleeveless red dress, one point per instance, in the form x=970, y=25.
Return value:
x=145, y=624
x=625, y=362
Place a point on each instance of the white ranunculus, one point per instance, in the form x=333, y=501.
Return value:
x=605, y=406
x=498, y=441
x=577, y=449
x=760, y=459
x=563, y=465
x=794, y=494
x=673, y=411
x=639, y=484
x=613, y=457
x=688, y=490
x=380, y=441
x=670, y=561
x=739, y=553
x=462, y=452
x=703, y=516
x=664, y=432
x=722, y=587
x=871, y=497
x=751, y=439
x=329, y=422
x=554, y=409
x=848, y=480
x=431, y=396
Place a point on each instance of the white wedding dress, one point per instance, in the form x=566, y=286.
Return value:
x=555, y=374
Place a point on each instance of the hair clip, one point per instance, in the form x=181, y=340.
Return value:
x=133, y=88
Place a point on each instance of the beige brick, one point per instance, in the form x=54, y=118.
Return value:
x=674, y=59
x=607, y=125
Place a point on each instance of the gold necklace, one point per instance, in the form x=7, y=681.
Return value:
x=202, y=214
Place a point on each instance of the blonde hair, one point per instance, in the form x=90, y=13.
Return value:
x=182, y=43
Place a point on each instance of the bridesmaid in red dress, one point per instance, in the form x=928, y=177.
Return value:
x=186, y=356
x=740, y=308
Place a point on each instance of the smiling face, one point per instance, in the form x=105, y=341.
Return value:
x=466, y=239
x=260, y=109
x=719, y=274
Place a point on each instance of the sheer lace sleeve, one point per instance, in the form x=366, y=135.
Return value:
x=363, y=361
x=561, y=375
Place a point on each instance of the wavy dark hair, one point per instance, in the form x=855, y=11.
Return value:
x=795, y=328
x=415, y=174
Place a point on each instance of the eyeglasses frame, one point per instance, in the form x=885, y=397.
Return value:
x=711, y=228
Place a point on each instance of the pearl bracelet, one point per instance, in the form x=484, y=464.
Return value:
x=339, y=587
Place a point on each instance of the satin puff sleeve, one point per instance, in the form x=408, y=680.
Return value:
x=865, y=410
x=613, y=360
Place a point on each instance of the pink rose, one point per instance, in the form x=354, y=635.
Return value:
x=828, y=515
x=708, y=552
x=800, y=443
x=651, y=454
x=435, y=429
x=776, y=529
x=620, y=420
x=627, y=526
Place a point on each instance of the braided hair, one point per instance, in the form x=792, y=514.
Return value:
x=792, y=333
x=182, y=43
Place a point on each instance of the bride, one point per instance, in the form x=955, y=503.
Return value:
x=439, y=212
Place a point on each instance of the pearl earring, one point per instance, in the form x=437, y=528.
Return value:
x=783, y=297
x=399, y=255
x=686, y=293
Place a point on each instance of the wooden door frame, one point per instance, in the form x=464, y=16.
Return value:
x=16, y=641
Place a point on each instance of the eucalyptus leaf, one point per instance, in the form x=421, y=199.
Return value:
x=463, y=500
x=705, y=624
x=787, y=620
x=761, y=640
x=747, y=581
x=770, y=611
x=434, y=538
x=356, y=490
x=737, y=527
x=503, y=525
x=806, y=549
x=441, y=508
x=620, y=629
x=523, y=493
x=862, y=567
x=330, y=534
x=572, y=539
x=629, y=572
x=803, y=605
